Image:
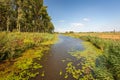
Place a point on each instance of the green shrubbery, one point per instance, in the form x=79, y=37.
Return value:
x=109, y=62
x=98, y=42
x=13, y=44
x=22, y=50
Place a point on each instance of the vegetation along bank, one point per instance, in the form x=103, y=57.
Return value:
x=107, y=65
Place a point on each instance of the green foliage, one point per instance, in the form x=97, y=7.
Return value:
x=72, y=70
x=60, y=73
x=87, y=59
x=78, y=74
x=21, y=69
x=102, y=73
x=106, y=66
x=110, y=59
x=43, y=74
x=24, y=16
x=13, y=44
x=99, y=43
x=24, y=66
x=113, y=57
x=21, y=76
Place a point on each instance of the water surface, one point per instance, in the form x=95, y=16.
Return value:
x=53, y=61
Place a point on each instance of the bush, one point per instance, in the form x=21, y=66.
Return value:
x=14, y=44
x=113, y=56
x=109, y=62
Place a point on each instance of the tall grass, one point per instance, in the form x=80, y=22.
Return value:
x=109, y=62
x=18, y=52
x=14, y=44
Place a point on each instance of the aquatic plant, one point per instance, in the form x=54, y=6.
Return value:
x=106, y=65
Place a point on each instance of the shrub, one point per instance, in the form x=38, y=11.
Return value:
x=109, y=65
x=14, y=44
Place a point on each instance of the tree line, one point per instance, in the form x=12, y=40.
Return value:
x=24, y=16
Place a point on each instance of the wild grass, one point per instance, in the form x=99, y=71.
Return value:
x=19, y=51
x=13, y=44
x=107, y=65
x=109, y=61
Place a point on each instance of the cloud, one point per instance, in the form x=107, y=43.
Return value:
x=86, y=19
x=61, y=21
x=62, y=29
x=77, y=25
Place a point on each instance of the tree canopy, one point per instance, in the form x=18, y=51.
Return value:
x=24, y=16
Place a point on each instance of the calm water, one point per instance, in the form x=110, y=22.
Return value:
x=52, y=62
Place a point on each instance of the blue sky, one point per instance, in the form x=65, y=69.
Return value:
x=84, y=15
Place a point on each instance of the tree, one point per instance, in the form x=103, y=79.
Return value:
x=3, y=13
x=24, y=16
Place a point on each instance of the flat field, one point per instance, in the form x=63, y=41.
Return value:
x=105, y=35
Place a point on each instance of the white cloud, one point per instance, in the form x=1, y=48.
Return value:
x=86, y=19
x=60, y=30
x=61, y=21
x=77, y=25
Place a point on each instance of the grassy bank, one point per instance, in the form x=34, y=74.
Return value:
x=18, y=52
x=107, y=65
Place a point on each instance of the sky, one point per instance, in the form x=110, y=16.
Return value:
x=84, y=15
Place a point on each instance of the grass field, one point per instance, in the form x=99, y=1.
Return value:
x=105, y=35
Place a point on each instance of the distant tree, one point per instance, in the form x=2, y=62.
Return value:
x=71, y=32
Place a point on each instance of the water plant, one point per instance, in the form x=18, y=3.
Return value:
x=106, y=65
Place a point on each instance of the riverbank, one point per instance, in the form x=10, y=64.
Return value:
x=107, y=64
x=19, y=52
x=82, y=57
